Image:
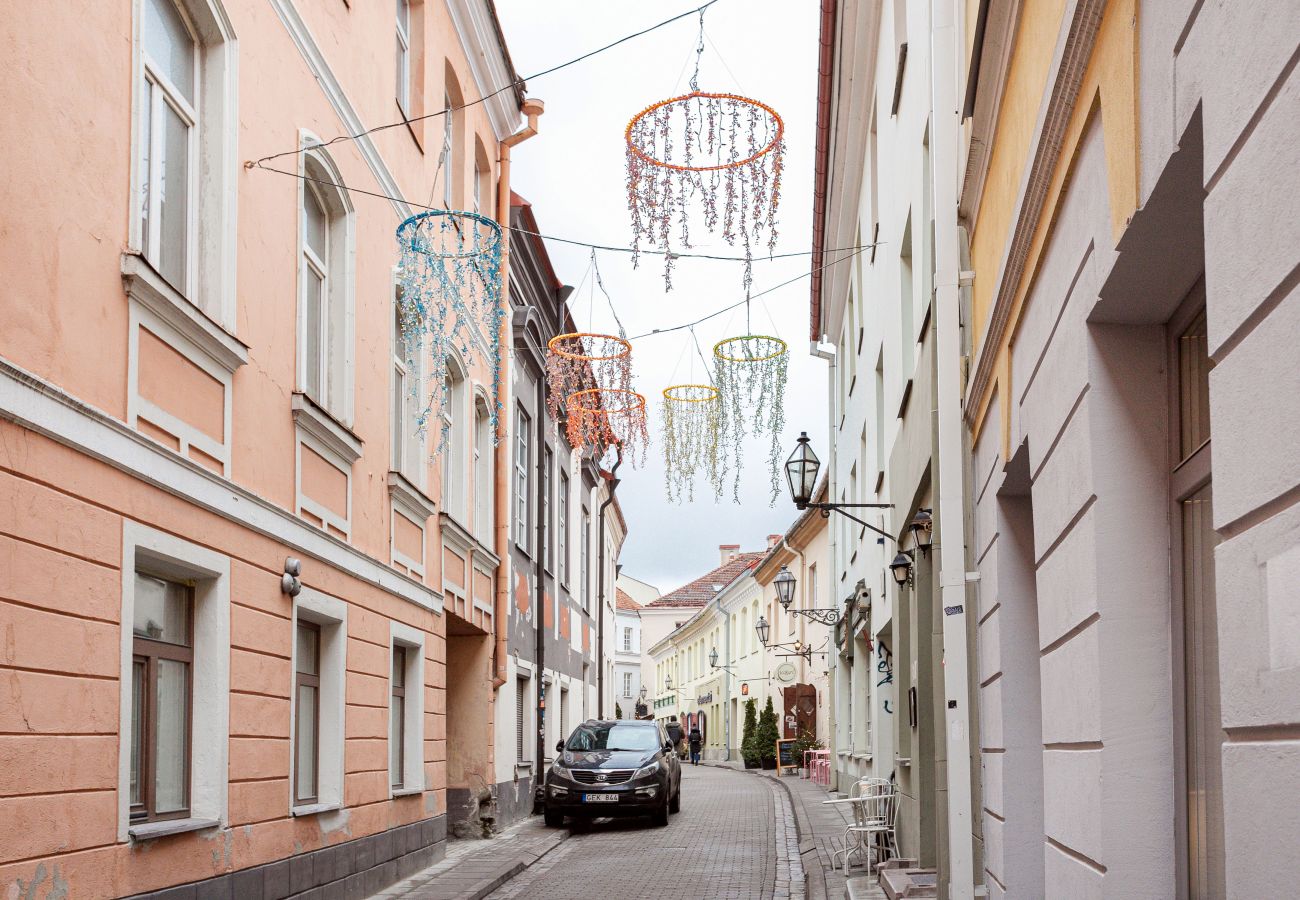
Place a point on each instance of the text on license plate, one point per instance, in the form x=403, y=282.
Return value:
x=600, y=798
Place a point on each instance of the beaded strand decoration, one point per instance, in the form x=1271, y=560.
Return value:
x=449, y=278
x=599, y=418
x=582, y=360
x=690, y=422
x=750, y=373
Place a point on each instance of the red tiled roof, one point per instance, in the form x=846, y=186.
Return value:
x=625, y=600
x=701, y=590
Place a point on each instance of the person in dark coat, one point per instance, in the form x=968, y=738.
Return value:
x=674, y=730
x=695, y=739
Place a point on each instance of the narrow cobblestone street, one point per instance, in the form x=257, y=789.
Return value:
x=733, y=840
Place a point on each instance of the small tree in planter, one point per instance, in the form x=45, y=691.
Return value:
x=804, y=742
x=767, y=736
x=618, y=711
x=748, y=743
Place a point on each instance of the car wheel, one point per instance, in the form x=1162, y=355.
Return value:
x=553, y=818
x=660, y=817
x=675, y=804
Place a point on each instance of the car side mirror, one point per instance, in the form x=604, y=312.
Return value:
x=668, y=745
x=559, y=747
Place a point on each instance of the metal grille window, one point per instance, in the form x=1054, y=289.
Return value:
x=163, y=657
x=397, y=719
x=306, y=733
x=521, y=719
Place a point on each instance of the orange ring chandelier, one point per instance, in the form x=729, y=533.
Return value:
x=605, y=417
x=583, y=360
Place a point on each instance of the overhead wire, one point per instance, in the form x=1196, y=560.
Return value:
x=513, y=85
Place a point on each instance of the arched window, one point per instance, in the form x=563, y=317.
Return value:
x=404, y=55
x=482, y=181
x=324, y=285
x=408, y=370
x=453, y=131
x=753, y=632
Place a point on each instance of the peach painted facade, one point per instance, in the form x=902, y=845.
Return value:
x=171, y=409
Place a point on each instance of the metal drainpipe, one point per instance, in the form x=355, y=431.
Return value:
x=600, y=592
x=950, y=549
x=539, y=568
x=531, y=108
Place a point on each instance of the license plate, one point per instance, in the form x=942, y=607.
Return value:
x=600, y=798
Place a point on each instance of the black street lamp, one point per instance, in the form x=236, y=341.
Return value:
x=901, y=568
x=801, y=475
x=922, y=528
x=763, y=630
x=785, y=584
x=713, y=661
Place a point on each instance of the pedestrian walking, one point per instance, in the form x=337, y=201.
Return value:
x=695, y=739
x=674, y=730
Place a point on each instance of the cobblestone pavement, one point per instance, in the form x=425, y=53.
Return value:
x=735, y=839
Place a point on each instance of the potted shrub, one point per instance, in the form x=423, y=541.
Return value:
x=748, y=742
x=804, y=742
x=766, y=737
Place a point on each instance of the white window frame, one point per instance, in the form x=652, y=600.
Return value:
x=210, y=283
x=448, y=150
x=548, y=542
x=318, y=172
x=484, y=484
x=331, y=614
x=452, y=418
x=159, y=553
x=627, y=639
x=523, y=479
x=406, y=436
x=404, y=56
x=413, y=640
x=585, y=561
x=627, y=684
x=562, y=530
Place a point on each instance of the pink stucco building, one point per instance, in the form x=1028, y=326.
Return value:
x=200, y=379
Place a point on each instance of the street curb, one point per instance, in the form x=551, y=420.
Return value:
x=487, y=886
x=809, y=858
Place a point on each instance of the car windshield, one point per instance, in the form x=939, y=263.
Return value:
x=613, y=737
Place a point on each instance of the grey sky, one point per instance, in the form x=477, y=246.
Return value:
x=573, y=174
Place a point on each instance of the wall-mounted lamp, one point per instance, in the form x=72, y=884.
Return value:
x=289, y=583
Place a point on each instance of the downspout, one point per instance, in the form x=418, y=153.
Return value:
x=600, y=591
x=539, y=565
x=532, y=109
x=945, y=110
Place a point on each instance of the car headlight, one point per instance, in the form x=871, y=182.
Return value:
x=647, y=770
x=561, y=772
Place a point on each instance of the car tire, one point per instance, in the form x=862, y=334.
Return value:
x=675, y=804
x=553, y=819
x=660, y=817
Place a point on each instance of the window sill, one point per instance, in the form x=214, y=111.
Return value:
x=151, y=290
x=904, y=761
x=312, y=809
x=404, y=792
x=149, y=831
x=413, y=500
x=862, y=757
x=312, y=418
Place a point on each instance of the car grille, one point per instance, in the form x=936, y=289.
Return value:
x=592, y=776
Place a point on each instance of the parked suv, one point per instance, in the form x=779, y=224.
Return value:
x=614, y=768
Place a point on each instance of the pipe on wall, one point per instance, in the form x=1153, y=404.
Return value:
x=532, y=108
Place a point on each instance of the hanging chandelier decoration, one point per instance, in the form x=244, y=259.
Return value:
x=690, y=420
x=750, y=374
x=600, y=418
x=723, y=150
x=582, y=360
x=449, y=278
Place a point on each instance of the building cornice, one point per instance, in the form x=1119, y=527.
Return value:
x=479, y=34
x=1074, y=49
x=46, y=409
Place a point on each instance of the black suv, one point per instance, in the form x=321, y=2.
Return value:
x=614, y=768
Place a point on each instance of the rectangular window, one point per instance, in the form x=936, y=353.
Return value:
x=169, y=127
x=448, y=155
x=907, y=338
x=548, y=461
x=478, y=188
x=562, y=530
x=484, y=489
x=306, y=733
x=404, y=55
x=523, y=490
x=627, y=684
x=627, y=639
x=397, y=719
x=1194, y=365
x=315, y=296
x=163, y=654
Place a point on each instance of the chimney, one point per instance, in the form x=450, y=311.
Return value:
x=728, y=552
x=773, y=540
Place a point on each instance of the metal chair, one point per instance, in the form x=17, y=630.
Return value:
x=874, y=804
